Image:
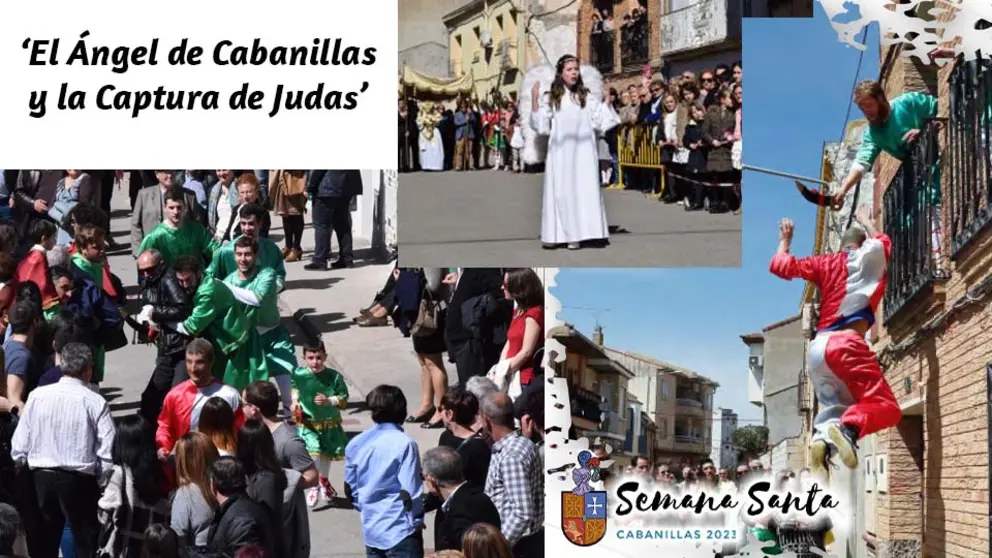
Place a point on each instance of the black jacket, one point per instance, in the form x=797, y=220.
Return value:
x=474, y=282
x=334, y=183
x=236, y=232
x=266, y=488
x=241, y=522
x=32, y=185
x=468, y=505
x=170, y=303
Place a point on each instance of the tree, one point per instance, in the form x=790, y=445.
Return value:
x=751, y=440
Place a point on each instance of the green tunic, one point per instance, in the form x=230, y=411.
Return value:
x=269, y=257
x=190, y=239
x=322, y=431
x=280, y=354
x=218, y=317
x=95, y=272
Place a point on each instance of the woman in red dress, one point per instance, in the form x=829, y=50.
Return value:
x=526, y=333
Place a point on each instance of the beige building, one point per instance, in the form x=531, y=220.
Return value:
x=485, y=41
x=678, y=401
x=597, y=389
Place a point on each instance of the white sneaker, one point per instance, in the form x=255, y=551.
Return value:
x=313, y=494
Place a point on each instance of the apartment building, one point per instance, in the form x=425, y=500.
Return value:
x=485, y=41
x=678, y=401
x=597, y=389
x=723, y=452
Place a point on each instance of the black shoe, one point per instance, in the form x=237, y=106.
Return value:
x=342, y=265
x=423, y=417
x=314, y=266
x=432, y=425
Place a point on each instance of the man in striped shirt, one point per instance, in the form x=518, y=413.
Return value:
x=65, y=435
x=515, y=482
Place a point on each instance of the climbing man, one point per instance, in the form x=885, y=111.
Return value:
x=855, y=400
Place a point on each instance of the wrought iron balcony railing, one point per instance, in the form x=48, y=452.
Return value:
x=911, y=217
x=602, y=45
x=969, y=151
x=585, y=404
x=688, y=439
x=688, y=402
x=634, y=45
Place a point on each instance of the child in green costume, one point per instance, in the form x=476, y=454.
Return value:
x=319, y=394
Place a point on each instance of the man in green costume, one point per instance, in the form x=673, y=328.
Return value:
x=177, y=235
x=218, y=317
x=255, y=288
x=269, y=255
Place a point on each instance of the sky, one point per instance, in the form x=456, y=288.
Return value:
x=799, y=80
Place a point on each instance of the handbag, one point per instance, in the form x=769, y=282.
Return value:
x=114, y=539
x=428, y=316
x=59, y=209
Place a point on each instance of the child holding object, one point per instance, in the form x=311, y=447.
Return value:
x=319, y=394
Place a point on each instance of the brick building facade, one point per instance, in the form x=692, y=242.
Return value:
x=932, y=496
x=624, y=70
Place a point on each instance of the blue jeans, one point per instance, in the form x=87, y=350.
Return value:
x=263, y=182
x=410, y=547
x=67, y=547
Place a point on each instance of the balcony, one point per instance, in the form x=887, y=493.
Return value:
x=602, y=51
x=909, y=216
x=585, y=404
x=507, y=54
x=700, y=25
x=969, y=152
x=634, y=45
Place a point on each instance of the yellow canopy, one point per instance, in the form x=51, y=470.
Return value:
x=419, y=82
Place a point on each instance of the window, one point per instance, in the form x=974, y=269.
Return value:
x=664, y=390
x=663, y=428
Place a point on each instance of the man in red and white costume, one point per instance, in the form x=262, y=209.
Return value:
x=181, y=409
x=855, y=400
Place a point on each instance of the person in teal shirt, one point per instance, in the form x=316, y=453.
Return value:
x=256, y=290
x=269, y=254
x=892, y=127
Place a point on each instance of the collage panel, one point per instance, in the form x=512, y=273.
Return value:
x=845, y=359
x=587, y=133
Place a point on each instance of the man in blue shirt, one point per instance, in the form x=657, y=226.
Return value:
x=383, y=478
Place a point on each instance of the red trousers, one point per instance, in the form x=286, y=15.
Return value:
x=849, y=385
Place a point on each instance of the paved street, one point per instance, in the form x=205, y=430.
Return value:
x=366, y=356
x=486, y=218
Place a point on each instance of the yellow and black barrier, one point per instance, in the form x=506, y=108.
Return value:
x=637, y=147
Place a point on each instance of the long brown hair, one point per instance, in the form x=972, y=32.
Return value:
x=482, y=540
x=217, y=422
x=195, y=453
x=558, y=85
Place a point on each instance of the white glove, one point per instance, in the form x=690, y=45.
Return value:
x=334, y=401
x=145, y=316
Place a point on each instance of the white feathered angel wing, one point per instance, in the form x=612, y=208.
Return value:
x=535, y=145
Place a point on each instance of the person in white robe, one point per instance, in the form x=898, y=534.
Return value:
x=573, y=120
x=429, y=140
